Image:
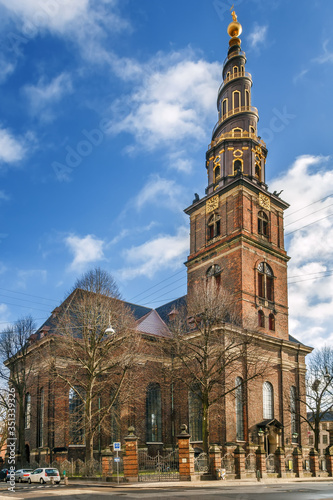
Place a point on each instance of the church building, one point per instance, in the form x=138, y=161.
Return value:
x=236, y=241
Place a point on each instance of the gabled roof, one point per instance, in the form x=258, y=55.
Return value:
x=327, y=416
x=152, y=324
x=164, y=310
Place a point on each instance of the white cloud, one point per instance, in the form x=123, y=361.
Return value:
x=257, y=36
x=85, y=22
x=43, y=95
x=35, y=274
x=327, y=56
x=162, y=252
x=12, y=149
x=85, y=250
x=309, y=189
x=175, y=95
x=4, y=196
x=161, y=191
x=6, y=68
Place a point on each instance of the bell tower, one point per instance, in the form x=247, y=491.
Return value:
x=236, y=230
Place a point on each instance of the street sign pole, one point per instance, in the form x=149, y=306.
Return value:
x=116, y=448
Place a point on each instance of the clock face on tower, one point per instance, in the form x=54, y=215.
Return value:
x=264, y=201
x=212, y=204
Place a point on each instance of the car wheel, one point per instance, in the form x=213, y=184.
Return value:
x=29, y=480
x=41, y=480
x=58, y=482
x=20, y=480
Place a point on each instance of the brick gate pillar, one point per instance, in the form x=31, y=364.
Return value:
x=239, y=455
x=298, y=462
x=186, y=455
x=131, y=461
x=314, y=462
x=280, y=461
x=261, y=457
x=329, y=460
x=107, y=463
x=214, y=459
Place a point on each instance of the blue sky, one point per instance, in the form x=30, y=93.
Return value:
x=106, y=111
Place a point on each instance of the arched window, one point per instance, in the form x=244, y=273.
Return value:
x=27, y=416
x=115, y=420
x=41, y=419
x=293, y=407
x=262, y=224
x=239, y=410
x=214, y=226
x=236, y=99
x=214, y=272
x=265, y=282
x=257, y=169
x=237, y=167
x=242, y=70
x=195, y=413
x=271, y=321
x=261, y=319
x=76, y=416
x=224, y=107
x=235, y=70
x=252, y=130
x=153, y=413
x=268, y=402
x=217, y=173
x=247, y=98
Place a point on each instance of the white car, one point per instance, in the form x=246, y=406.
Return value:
x=22, y=475
x=44, y=475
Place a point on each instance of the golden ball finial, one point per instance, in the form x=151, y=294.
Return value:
x=234, y=28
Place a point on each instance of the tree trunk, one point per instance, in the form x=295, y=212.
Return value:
x=205, y=424
x=21, y=434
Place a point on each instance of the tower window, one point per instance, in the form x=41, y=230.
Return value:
x=214, y=226
x=247, y=98
x=265, y=282
x=214, y=273
x=27, y=416
x=261, y=319
x=257, y=168
x=268, y=402
x=235, y=70
x=271, y=321
x=217, y=173
x=237, y=167
x=224, y=107
x=262, y=224
x=76, y=398
x=293, y=399
x=236, y=99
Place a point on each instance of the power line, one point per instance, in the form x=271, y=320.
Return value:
x=29, y=295
x=310, y=204
x=305, y=216
x=166, y=286
x=154, y=286
x=307, y=225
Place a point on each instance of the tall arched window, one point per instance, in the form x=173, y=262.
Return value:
x=195, y=413
x=214, y=226
x=236, y=99
x=115, y=420
x=153, y=413
x=238, y=167
x=239, y=410
x=217, y=173
x=257, y=171
x=293, y=407
x=268, y=401
x=271, y=321
x=261, y=319
x=41, y=418
x=224, y=107
x=27, y=416
x=262, y=224
x=265, y=282
x=76, y=416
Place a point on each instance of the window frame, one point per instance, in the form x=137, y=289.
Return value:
x=268, y=401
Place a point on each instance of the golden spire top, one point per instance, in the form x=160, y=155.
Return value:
x=234, y=28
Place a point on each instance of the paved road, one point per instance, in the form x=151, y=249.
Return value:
x=286, y=491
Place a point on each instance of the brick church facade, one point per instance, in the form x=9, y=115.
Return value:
x=236, y=241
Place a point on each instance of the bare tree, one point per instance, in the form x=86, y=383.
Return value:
x=17, y=368
x=97, y=348
x=318, y=394
x=209, y=347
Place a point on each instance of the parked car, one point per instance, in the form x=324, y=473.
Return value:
x=4, y=474
x=22, y=475
x=44, y=475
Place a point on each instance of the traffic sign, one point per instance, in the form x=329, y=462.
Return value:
x=117, y=446
x=116, y=459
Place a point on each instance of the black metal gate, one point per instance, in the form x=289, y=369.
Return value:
x=162, y=467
